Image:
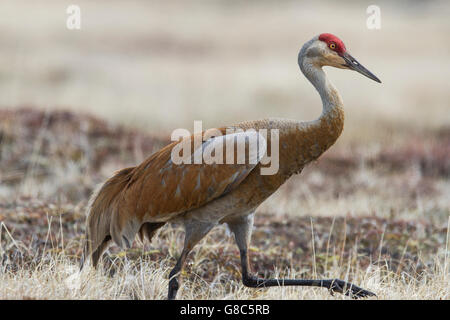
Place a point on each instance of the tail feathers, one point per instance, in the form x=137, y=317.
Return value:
x=100, y=220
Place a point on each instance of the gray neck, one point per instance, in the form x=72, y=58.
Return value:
x=331, y=99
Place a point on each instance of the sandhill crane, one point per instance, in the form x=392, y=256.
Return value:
x=142, y=199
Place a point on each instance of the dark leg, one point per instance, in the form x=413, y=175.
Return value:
x=241, y=228
x=195, y=231
x=149, y=229
x=96, y=255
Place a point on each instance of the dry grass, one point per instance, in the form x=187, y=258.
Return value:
x=212, y=272
x=147, y=279
x=379, y=219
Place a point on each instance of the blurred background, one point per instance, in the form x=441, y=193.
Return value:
x=77, y=105
x=159, y=65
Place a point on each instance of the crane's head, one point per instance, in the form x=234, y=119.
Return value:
x=328, y=50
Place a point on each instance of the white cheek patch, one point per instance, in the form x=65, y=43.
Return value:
x=317, y=49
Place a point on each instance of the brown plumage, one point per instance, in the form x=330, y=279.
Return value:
x=141, y=199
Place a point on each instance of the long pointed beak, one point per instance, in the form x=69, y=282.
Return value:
x=353, y=64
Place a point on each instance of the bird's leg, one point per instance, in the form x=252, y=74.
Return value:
x=149, y=229
x=195, y=231
x=174, y=274
x=241, y=228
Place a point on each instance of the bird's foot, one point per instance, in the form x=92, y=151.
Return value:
x=252, y=281
x=348, y=289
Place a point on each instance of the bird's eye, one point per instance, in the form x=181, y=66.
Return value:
x=332, y=46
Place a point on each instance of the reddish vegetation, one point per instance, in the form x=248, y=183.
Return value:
x=67, y=135
x=428, y=154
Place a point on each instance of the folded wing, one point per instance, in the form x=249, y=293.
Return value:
x=161, y=187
